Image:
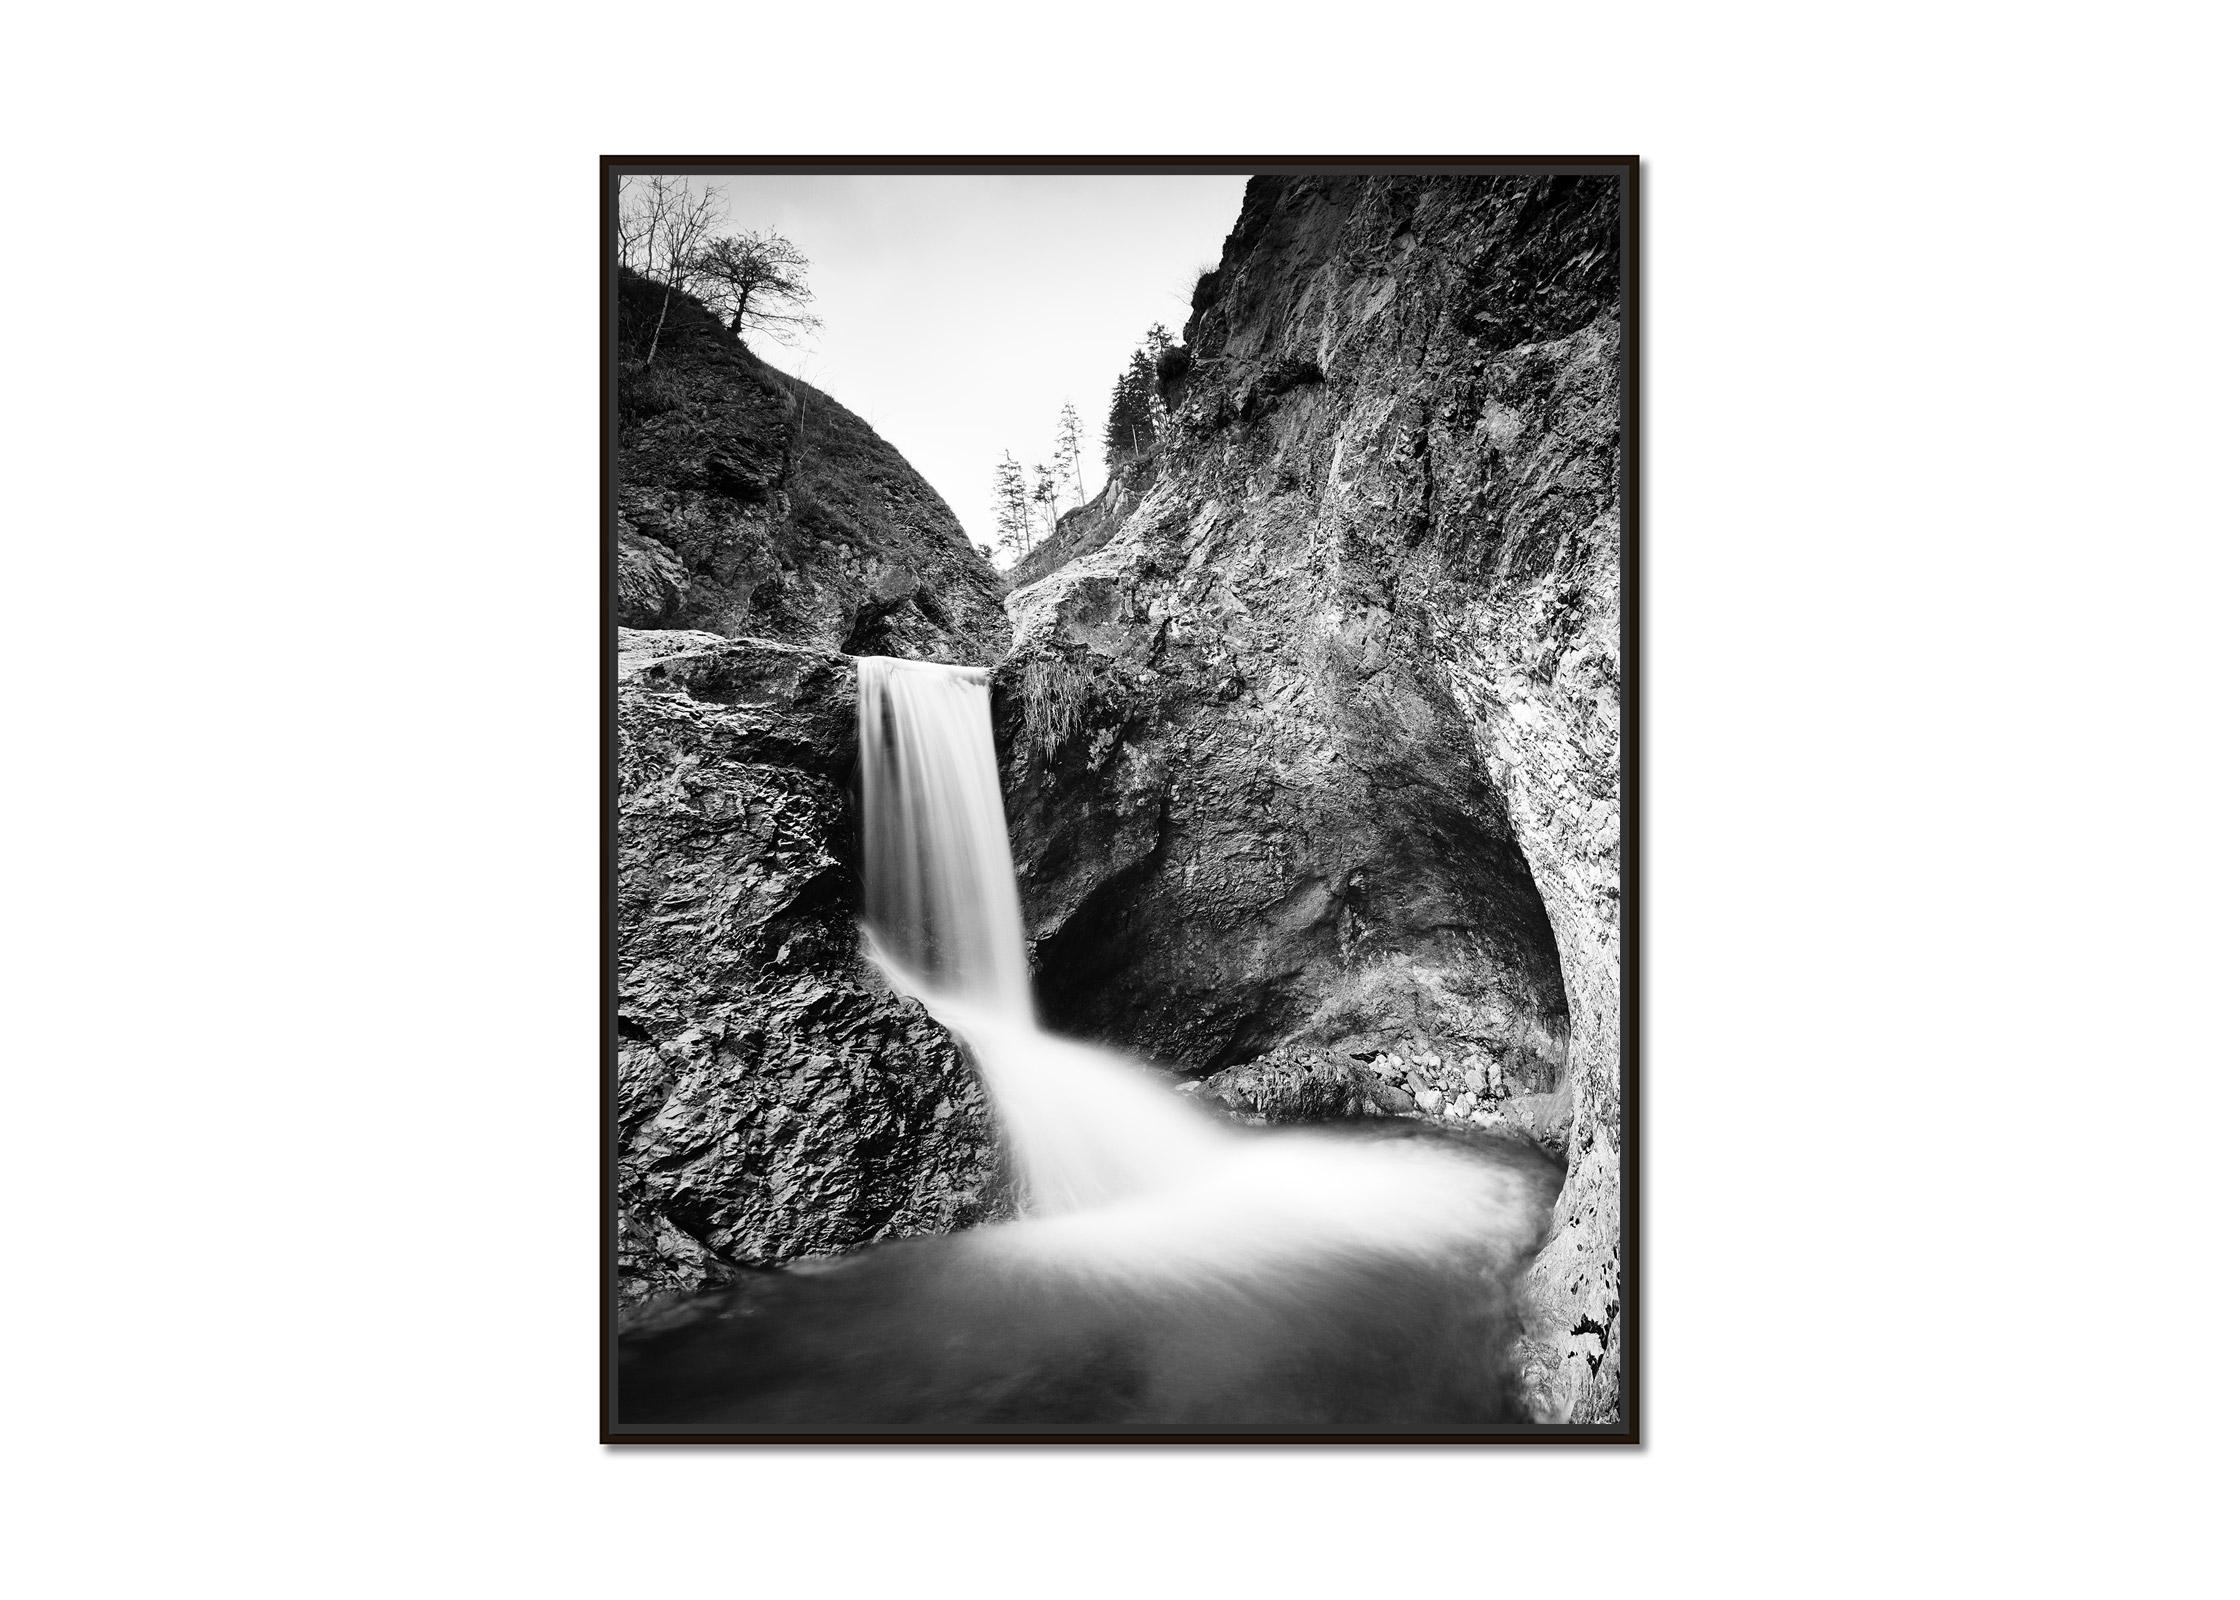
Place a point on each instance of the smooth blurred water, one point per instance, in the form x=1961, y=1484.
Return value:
x=1171, y=1268
x=939, y=894
x=1087, y=1126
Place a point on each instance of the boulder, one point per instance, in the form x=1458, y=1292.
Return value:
x=1302, y=1085
x=774, y=1098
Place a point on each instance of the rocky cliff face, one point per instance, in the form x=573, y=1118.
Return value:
x=775, y=1099
x=1312, y=738
x=754, y=504
x=1082, y=530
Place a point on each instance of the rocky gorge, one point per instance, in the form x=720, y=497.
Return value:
x=1314, y=716
x=1309, y=732
x=773, y=1098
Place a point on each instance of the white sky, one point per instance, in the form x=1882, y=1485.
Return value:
x=961, y=312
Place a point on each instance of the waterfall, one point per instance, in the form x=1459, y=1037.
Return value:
x=1170, y=1268
x=1087, y=1126
x=939, y=893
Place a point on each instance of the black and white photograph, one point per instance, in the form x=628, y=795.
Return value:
x=999, y=800
x=1119, y=841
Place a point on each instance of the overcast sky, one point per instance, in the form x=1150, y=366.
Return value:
x=961, y=312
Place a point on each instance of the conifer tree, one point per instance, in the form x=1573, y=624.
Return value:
x=1156, y=342
x=1128, y=427
x=1012, y=530
x=1045, y=496
x=1069, y=451
x=1139, y=412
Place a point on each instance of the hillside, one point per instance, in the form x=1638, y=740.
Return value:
x=774, y=1097
x=752, y=503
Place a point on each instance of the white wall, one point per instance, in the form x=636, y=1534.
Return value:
x=304, y=965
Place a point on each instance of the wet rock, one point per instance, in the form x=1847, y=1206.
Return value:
x=1289, y=1086
x=775, y=1099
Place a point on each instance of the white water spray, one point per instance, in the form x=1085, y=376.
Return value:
x=1171, y=1268
x=1120, y=1173
x=1088, y=1127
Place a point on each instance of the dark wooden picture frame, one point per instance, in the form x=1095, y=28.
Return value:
x=1627, y=1335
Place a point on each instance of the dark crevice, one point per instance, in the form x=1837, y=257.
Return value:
x=872, y=633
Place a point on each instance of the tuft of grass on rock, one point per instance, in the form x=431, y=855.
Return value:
x=1056, y=694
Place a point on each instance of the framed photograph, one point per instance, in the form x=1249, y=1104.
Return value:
x=1120, y=799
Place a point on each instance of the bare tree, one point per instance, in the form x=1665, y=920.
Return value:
x=661, y=226
x=756, y=280
x=683, y=228
x=646, y=221
x=633, y=223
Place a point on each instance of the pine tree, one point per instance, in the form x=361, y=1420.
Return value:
x=1012, y=529
x=1045, y=496
x=1129, y=428
x=1156, y=342
x=1139, y=413
x=1069, y=451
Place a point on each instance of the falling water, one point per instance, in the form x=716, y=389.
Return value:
x=938, y=887
x=1170, y=1269
x=1088, y=1127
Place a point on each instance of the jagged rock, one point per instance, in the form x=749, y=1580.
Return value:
x=1312, y=729
x=1084, y=529
x=753, y=503
x=775, y=1098
x=1298, y=1085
